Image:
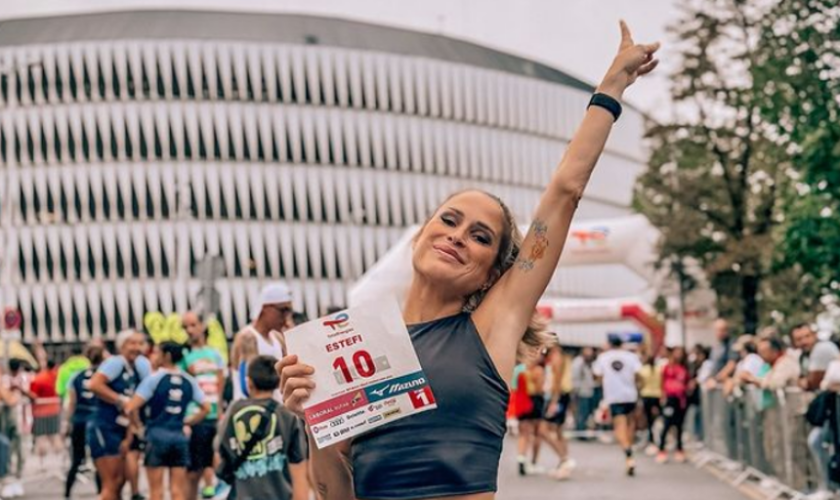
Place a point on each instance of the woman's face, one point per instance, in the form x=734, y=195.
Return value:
x=133, y=347
x=459, y=244
x=156, y=357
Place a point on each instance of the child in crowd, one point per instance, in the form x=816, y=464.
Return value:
x=276, y=464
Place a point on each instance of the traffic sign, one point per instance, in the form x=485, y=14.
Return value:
x=12, y=318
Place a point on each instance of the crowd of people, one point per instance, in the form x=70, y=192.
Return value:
x=653, y=399
x=188, y=416
x=201, y=428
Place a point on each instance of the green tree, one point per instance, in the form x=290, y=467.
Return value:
x=719, y=172
x=799, y=72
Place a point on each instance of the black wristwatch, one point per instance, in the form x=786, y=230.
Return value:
x=606, y=102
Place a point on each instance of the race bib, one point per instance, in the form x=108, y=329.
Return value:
x=366, y=371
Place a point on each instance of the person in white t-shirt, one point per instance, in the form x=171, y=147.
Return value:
x=618, y=371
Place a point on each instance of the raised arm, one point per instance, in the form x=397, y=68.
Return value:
x=508, y=307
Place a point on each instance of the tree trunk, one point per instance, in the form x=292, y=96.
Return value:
x=749, y=292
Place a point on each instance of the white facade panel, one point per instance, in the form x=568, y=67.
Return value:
x=127, y=160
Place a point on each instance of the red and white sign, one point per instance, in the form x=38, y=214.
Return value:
x=12, y=319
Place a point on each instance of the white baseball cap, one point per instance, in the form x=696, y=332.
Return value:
x=272, y=293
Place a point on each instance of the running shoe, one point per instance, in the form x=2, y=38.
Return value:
x=679, y=457
x=651, y=449
x=630, y=466
x=534, y=469
x=522, y=469
x=208, y=493
x=222, y=490
x=661, y=457
x=563, y=472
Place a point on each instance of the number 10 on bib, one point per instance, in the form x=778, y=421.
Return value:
x=366, y=371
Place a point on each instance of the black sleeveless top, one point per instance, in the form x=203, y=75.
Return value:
x=453, y=450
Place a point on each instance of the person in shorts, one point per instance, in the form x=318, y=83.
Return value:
x=557, y=405
x=618, y=370
x=46, y=411
x=80, y=407
x=109, y=434
x=206, y=366
x=164, y=397
x=276, y=468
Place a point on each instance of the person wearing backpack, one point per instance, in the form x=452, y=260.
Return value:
x=263, y=447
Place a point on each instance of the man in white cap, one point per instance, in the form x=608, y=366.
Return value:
x=271, y=316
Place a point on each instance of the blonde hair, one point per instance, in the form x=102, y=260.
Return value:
x=535, y=337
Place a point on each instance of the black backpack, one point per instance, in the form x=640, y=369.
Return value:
x=821, y=408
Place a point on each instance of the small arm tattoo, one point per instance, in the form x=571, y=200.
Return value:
x=540, y=231
x=322, y=490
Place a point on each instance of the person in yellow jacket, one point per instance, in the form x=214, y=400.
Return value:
x=651, y=394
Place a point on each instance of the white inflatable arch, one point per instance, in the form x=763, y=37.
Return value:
x=628, y=241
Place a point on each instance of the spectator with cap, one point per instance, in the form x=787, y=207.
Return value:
x=271, y=316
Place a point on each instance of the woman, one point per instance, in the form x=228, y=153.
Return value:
x=108, y=435
x=554, y=417
x=80, y=407
x=530, y=381
x=470, y=304
x=675, y=380
x=165, y=396
x=651, y=393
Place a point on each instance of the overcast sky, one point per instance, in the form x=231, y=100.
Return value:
x=577, y=36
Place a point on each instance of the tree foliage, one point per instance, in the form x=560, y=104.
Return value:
x=721, y=172
x=799, y=72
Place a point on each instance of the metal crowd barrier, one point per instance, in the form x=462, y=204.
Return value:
x=764, y=436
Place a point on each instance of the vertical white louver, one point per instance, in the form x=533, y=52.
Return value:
x=127, y=160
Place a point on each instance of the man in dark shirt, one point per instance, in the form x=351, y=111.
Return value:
x=723, y=357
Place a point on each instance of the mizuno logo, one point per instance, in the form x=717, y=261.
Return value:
x=397, y=388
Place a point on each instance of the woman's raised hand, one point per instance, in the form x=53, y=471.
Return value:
x=632, y=61
x=296, y=383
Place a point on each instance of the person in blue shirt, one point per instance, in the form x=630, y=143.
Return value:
x=164, y=398
x=108, y=435
x=81, y=405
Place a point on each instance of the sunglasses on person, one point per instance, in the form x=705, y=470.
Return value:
x=282, y=309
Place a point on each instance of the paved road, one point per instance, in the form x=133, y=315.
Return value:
x=599, y=476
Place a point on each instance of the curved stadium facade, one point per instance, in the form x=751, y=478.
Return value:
x=134, y=144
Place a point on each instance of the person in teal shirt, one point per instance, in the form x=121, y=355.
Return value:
x=206, y=365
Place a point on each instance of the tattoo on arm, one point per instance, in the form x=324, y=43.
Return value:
x=537, y=252
x=322, y=490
